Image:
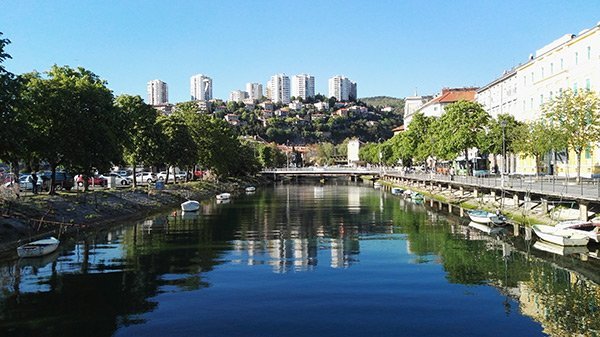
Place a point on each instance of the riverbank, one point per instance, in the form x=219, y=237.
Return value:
x=33, y=216
x=523, y=213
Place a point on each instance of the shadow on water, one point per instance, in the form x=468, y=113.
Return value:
x=105, y=282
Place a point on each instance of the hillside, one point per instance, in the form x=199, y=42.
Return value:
x=383, y=101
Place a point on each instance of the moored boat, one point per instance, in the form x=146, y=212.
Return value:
x=561, y=237
x=190, y=206
x=591, y=229
x=38, y=248
x=560, y=250
x=376, y=184
x=250, y=189
x=485, y=228
x=223, y=196
x=480, y=216
x=397, y=190
x=417, y=196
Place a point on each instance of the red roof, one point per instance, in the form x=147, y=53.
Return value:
x=455, y=95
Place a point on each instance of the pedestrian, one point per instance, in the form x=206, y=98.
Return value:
x=452, y=173
x=34, y=182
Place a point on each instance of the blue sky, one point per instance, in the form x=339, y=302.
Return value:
x=387, y=47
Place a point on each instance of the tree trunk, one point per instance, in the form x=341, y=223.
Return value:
x=578, y=155
x=52, y=190
x=469, y=171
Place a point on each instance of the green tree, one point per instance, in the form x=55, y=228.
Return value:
x=73, y=118
x=13, y=124
x=536, y=139
x=143, y=136
x=179, y=148
x=461, y=127
x=577, y=116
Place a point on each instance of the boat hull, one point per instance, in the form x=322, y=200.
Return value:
x=561, y=237
x=38, y=248
x=223, y=196
x=480, y=217
x=190, y=206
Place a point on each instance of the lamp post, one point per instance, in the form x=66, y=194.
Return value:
x=503, y=125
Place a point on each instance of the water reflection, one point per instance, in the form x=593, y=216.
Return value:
x=114, y=280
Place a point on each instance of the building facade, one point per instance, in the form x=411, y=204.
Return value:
x=279, y=89
x=254, y=90
x=201, y=88
x=342, y=88
x=158, y=93
x=303, y=86
x=238, y=96
x=412, y=104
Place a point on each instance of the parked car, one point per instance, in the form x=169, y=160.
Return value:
x=25, y=184
x=144, y=177
x=119, y=179
x=92, y=181
x=62, y=180
x=179, y=176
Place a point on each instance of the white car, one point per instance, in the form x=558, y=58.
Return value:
x=25, y=184
x=177, y=176
x=144, y=177
x=119, y=179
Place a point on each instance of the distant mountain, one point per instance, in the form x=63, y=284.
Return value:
x=383, y=101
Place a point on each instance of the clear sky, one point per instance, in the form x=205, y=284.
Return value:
x=387, y=47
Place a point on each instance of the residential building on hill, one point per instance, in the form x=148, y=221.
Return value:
x=201, y=88
x=279, y=89
x=342, y=88
x=238, y=96
x=254, y=90
x=303, y=86
x=158, y=93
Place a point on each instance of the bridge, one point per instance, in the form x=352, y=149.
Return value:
x=323, y=171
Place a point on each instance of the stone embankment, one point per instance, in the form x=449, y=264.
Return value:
x=32, y=216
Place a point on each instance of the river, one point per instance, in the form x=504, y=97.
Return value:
x=339, y=259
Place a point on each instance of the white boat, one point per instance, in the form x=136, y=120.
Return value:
x=416, y=196
x=38, y=248
x=190, y=206
x=485, y=228
x=407, y=193
x=480, y=216
x=560, y=250
x=591, y=229
x=223, y=196
x=376, y=184
x=397, y=190
x=250, y=189
x=486, y=217
x=562, y=237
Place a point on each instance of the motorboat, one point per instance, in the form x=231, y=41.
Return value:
x=397, y=190
x=417, y=196
x=407, y=193
x=38, y=248
x=485, y=228
x=559, y=236
x=376, y=184
x=486, y=217
x=190, y=206
x=560, y=250
x=223, y=196
x=250, y=189
x=588, y=228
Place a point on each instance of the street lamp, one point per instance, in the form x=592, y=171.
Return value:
x=503, y=125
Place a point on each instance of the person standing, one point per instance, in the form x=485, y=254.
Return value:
x=34, y=183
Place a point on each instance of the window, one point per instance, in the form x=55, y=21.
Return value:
x=551, y=95
x=588, y=153
x=561, y=64
x=575, y=88
x=532, y=78
x=551, y=68
x=576, y=58
x=531, y=103
x=542, y=72
x=542, y=99
x=589, y=53
x=588, y=86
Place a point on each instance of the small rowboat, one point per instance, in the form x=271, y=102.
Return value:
x=38, y=248
x=562, y=237
x=223, y=196
x=397, y=190
x=190, y=206
x=250, y=189
x=485, y=217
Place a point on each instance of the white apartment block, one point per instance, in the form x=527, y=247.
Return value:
x=342, y=88
x=500, y=96
x=201, y=88
x=254, y=90
x=158, y=93
x=303, y=86
x=279, y=89
x=412, y=104
x=238, y=96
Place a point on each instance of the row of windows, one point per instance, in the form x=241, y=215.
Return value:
x=588, y=86
x=542, y=69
